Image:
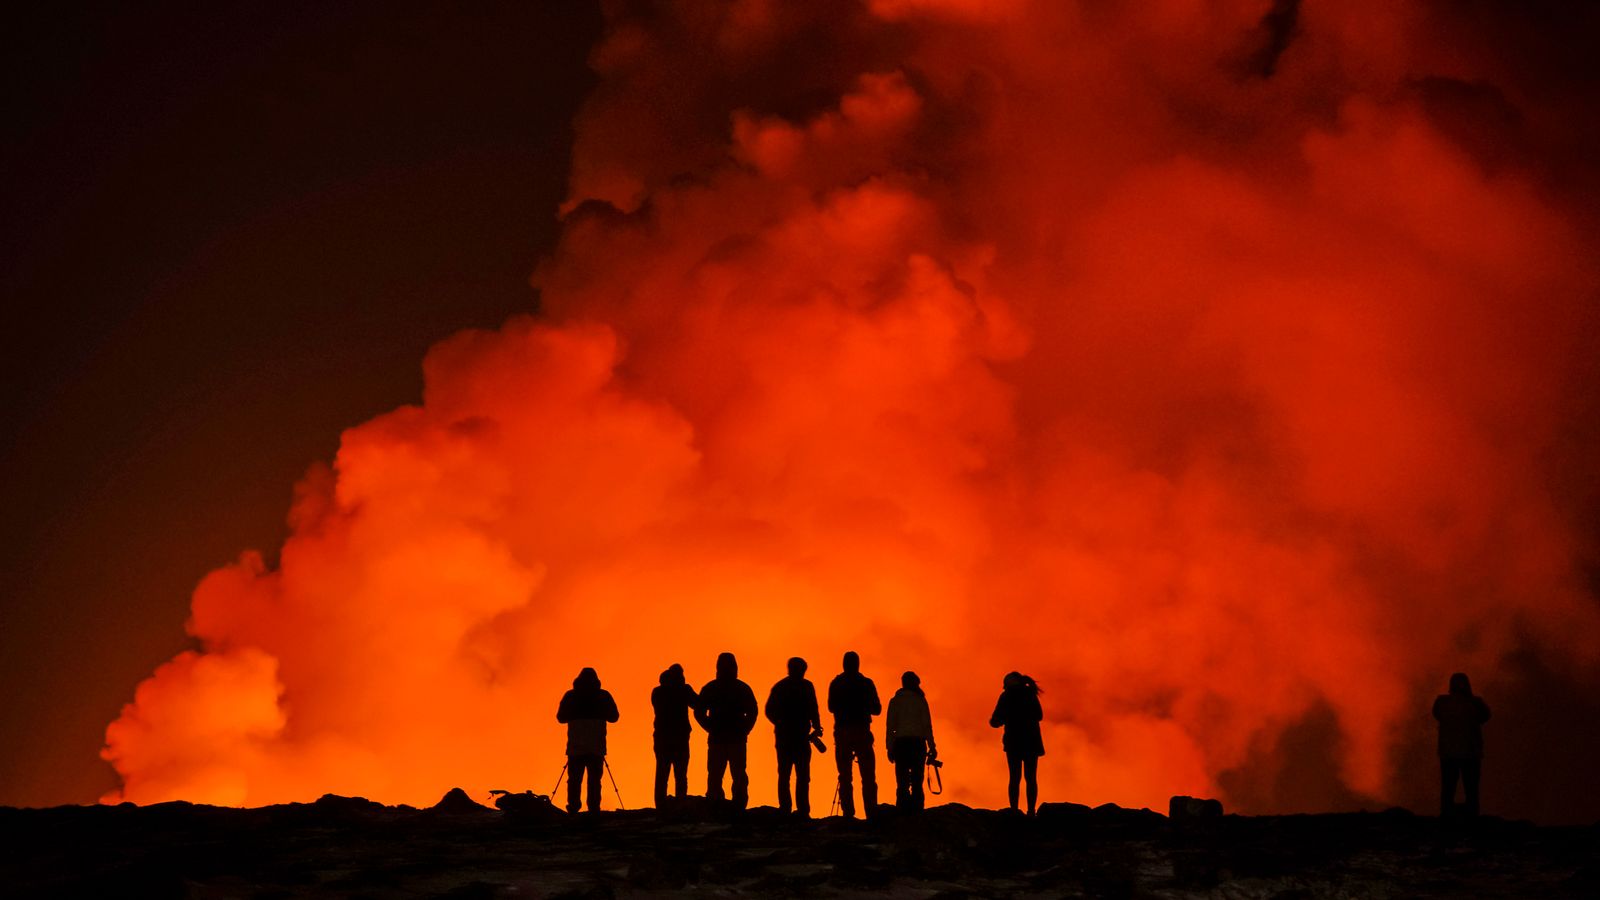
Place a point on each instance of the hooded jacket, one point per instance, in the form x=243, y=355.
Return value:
x=1461, y=715
x=853, y=699
x=672, y=701
x=585, y=710
x=909, y=716
x=727, y=708
x=1019, y=712
x=792, y=710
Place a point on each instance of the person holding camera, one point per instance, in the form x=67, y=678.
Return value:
x=909, y=735
x=853, y=700
x=796, y=727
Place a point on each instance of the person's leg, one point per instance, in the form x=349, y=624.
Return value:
x=918, y=764
x=901, y=788
x=1014, y=773
x=785, y=764
x=663, y=764
x=1449, y=771
x=867, y=756
x=802, y=781
x=597, y=766
x=741, y=777
x=574, y=783
x=680, y=770
x=842, y=758
x=1470, y=770
x=716, y=762
x=1030, y=768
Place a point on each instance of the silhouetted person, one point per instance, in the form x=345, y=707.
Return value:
x=908, y=734
x=853, y=700
x=672, y=701
x=727, y=712
x=792, y=710
x=1461, y=716
x=1020, y=713
x=585, y=710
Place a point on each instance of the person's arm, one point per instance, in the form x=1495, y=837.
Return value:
x=772, y=697
x=702, y=712
x=812, y=712
x=610, y=707
x=1483, y=710
x=891, y=723
x=1038, y=709
x=1437, y=703
x=999, y=717
x=564, y=711
x=928, y=711
x=748, y=710
x=873, y=705
x=833, y=696
x=694, y=699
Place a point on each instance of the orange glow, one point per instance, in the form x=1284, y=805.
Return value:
x=1058, y=342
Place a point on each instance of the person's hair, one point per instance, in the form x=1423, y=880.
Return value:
x=910, y=680
x=1019, y=681
x=852, y=661
x=797, y=666
x=1460, y=684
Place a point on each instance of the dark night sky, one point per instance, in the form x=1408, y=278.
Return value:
x=232, y=229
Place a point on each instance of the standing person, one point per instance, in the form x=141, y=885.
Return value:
x=1461, y=715
x=853, y=700
x=672, y=701
x=908, y=734
x=585, y=710
x=727, y=712
x=1019, y=711
x=796, y=722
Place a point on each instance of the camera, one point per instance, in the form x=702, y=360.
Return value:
x=934, y=760
x=816, y=741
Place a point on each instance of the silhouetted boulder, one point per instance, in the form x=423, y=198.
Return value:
x=527, y=806
x=456, y=801
x=1182, y=808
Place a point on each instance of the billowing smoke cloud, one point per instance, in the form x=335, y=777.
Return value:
x=1221, y=365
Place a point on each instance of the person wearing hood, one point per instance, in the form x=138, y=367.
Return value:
x=1019, y=712
x=585, y=710
x=727, y=712
x=853, y=700
x=1461, y=715
x=908, y=734
x=792, y=710
x=672, y=700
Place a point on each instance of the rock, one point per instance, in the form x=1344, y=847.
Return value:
x=527, y=805
x=456, y=801
x=1182, y=808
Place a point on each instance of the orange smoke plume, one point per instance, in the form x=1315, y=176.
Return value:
x=1211, y=363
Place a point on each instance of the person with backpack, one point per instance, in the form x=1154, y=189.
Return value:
x=1019, y=712
x=908, y=735
x=585, y=710
x=727, y=712
x=853, y=700
x=672, y=700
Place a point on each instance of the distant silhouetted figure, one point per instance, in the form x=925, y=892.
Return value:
x=792, y=710
x=1461, y=716
x=908, y=733
x=853, y=700
x=585, y=710
x=1019, y=712
x=672, y=701
x=727, y=712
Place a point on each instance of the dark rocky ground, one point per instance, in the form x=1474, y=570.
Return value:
x=345, y=847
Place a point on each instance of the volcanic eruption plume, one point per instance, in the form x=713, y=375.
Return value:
x=1216, y=364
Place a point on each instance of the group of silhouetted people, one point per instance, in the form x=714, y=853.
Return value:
x=726, y=710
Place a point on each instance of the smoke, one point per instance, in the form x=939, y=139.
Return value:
x=1223, y=366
